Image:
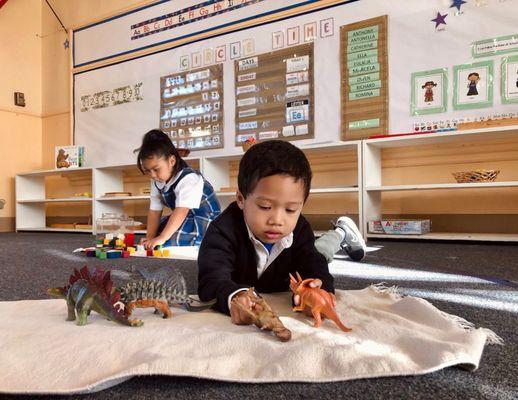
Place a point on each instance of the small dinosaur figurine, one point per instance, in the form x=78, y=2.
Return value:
x=92, y=291
x=159, y=294
x=320, y=301
x=264, y=317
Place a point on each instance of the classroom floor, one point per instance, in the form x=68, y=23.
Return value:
x=478, y=282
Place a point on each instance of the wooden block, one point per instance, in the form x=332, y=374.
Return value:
x=117, y=194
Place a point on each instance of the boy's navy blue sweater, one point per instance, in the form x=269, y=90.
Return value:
x=227, y=260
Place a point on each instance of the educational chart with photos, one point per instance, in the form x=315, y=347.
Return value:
x=191, y=108
x=274, y=95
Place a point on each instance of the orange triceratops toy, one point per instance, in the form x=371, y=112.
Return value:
x=320, y=301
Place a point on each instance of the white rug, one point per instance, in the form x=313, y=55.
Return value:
x=42, y=353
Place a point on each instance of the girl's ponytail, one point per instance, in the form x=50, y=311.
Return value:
x=157, y=143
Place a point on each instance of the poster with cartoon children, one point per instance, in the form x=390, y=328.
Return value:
x=429, y=92
x=473, y=85
x=509, y=90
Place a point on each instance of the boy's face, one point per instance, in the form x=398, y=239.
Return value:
x=271, y=211
x=159, y=168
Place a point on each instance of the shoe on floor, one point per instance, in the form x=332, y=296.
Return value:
x=353, y=242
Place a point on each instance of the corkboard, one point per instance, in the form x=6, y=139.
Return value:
x=274, y=95
x=364, y=79
x=191, y=108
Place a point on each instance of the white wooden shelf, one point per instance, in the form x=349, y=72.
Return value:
x=433, y=186
x=220, y=170
x=120, y=198
x=373, y=186
x=66, y=199
x=351, y=189
x=47, y=229
x=50, y=172
x=507, y=132
x=490, y=237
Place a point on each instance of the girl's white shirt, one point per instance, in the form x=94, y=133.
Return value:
x=188, y=191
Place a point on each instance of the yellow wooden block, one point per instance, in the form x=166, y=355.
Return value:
x=106, y=241
x=157, y=253
x=119, y=243
x=131, y=250
x=165, y=253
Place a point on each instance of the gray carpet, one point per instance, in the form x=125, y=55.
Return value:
x=475, y=281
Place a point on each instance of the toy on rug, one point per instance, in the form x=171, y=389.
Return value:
x=93, y=291
x=320, y=301
x=264, y=317
x=159, y=290
x=121, y=246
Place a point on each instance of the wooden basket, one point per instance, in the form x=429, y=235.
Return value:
x=479, y=175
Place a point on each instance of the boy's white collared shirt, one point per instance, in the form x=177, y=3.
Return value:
x=263, y=256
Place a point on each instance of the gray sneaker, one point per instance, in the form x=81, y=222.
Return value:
x=353, y=242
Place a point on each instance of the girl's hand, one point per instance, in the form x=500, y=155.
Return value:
x=152, y=243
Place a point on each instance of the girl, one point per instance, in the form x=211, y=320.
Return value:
x=181, y=188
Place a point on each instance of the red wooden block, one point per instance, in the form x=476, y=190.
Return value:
x=149, y=252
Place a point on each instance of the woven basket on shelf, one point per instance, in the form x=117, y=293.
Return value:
x=479, y=175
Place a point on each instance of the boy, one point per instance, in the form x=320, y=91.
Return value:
x=262, y=237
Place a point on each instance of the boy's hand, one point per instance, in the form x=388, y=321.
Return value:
x=237, y=315
x=315, y=283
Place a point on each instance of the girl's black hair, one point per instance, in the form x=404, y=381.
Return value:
x=271, y=158
x=157, y=143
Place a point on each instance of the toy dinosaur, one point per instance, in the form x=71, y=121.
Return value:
x=159, y=294
x=93, y=291
x=320, y=301
x=264, y=317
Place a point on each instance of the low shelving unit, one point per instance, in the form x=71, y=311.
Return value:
x=466, y=148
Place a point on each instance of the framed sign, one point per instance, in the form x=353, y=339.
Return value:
x=473, y=85
x=429, y=92
x=509, y=90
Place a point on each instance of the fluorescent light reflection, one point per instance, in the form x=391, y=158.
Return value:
x=477, y=298
x=63, y=254
x=379, y=273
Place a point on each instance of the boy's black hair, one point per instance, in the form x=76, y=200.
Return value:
x=157, y=143
x=271, y=158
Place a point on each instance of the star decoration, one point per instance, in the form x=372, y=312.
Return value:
x=457, y=3
x=66, y=44
x=439, y=19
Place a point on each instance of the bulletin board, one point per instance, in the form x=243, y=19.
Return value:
x=118, y=70
x=364, y=60
x=191, y=110
x=274, y=95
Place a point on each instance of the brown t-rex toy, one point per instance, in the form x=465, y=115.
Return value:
x=320, y=301
x=264, y=317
